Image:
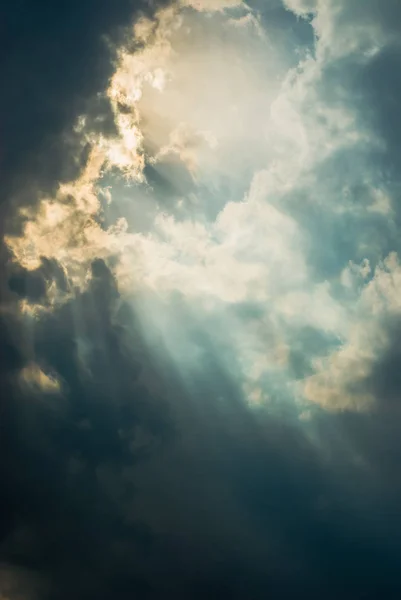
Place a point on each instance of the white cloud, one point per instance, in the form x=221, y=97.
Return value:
x=230, y=113
x=211, y=5
x=341, y=381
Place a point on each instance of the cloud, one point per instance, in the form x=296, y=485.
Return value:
x=208, y=278
x=302, y=7
x=34, y=377
x=211, y=5
x=55, y=80
x=345, y=379
x=198, y=258
x=106, y=419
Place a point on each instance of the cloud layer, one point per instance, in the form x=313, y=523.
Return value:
x=200, y=313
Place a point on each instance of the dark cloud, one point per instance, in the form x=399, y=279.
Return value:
x=52, y=452
x=57, y=61
x=112, y=491
x=33, y=285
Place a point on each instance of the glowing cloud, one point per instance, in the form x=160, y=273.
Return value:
x=35, y=379
x=229, y=153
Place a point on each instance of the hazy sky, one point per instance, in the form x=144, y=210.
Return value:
x=200, y=300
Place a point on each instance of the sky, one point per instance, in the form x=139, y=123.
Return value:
x=200, y=311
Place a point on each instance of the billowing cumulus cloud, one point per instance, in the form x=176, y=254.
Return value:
x=201, y=310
